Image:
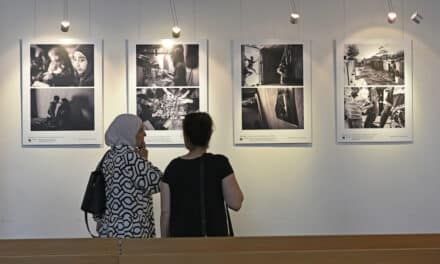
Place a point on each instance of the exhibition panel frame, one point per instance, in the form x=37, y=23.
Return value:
x=166, y=81
x=374, y=91
x=61, y=88
x=272, y=92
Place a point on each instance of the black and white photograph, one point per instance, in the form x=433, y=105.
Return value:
x=272, y=108
x=272, y=92
x=62, y=65
x=272, y=65
x=165, y=108
x=166, y=80
x=61, y=92
x=374, y=107
x=374, y=64
x=374, y=91
x=58, y=109
x=162, y=65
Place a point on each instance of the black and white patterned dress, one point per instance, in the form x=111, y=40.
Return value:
x=130, y=182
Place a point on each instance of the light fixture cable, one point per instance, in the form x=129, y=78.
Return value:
x=194, y=11
x=391, y=16
x=293, y=6
x=403, y=21
x=345, y=18
x=35, y=18
x=175, y=31
x=90, y=18
x=65, y=23
x=139, y=19
x=66, y=10
x=173, y=13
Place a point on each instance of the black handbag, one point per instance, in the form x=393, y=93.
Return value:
x=94, y=197
x=203, y=206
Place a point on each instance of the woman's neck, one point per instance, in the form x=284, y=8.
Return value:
x=195, y=153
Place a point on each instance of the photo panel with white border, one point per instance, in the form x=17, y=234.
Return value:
x=166, y=80
x=374, y=91
x=61, y=92
x=272, y=92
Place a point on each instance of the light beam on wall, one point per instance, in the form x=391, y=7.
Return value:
x=168, y=43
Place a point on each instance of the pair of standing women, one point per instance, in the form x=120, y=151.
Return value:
x=131, y=179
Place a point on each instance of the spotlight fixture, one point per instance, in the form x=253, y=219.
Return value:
x=294, y=15
x=416, y=17
x=175, y=30
x=391, y=16
x=65, y=23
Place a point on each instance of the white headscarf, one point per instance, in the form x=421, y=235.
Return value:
x=123, y=130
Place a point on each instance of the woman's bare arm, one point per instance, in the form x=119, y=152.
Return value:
x=165, y=196
x=232, y=192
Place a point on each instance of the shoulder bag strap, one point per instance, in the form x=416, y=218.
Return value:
x=86, y=219
x=230, y=229
x=202, y=196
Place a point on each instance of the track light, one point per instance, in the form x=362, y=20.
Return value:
x=391, y=17
x=294, y=15
x=175, y=31
x=416, y=17
x=65, y=23
x=294, y=18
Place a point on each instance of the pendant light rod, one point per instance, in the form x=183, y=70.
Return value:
x=293, y=6
x=66, y=10
x=174, y=13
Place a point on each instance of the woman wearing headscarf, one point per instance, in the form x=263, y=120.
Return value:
x=82, y=61
x=130, y=181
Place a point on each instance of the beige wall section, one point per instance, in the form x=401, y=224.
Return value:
x=325, y=188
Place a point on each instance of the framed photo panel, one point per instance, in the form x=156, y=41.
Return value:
x=61, y=92
x=272, y=92
x=166, y=80
x=374, y=91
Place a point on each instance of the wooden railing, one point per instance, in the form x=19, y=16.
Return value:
x=60, y=251
x=383, y=249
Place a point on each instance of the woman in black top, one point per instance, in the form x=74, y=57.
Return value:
x=180, y=187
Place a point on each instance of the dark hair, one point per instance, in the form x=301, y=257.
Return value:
x=197, y=129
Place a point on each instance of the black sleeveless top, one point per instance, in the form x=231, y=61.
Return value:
x=183, y=178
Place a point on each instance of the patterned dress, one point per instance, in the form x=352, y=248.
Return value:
x=129, y=183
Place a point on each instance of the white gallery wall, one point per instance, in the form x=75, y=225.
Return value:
x=321, y=188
